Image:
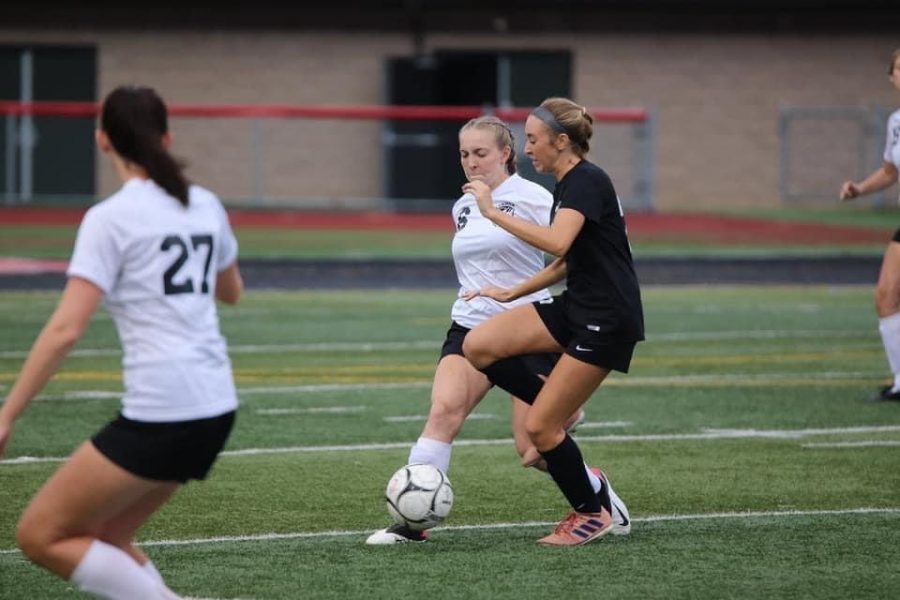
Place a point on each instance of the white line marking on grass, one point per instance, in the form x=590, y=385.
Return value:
x=335, y=347
x=27, y=460
x=309, y=411
x=769, y=379
x=707, y=435
x=263, y=390
x=679, y=336
x=332, y=387
x=795, y=433
x=604, y=424
x=429, y=344
x=860, y=444
x=264, y=537
x=411, y=418
x=719, y=379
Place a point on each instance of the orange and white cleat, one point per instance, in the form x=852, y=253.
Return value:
x=579, y=528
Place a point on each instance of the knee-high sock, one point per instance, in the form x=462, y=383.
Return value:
x=599, y=488
x=889, y=327
x=108, y=572
x=514, y=376
x=566, y=465
x=431, y=452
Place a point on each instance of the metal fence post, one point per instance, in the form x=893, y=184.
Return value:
x=258, y=160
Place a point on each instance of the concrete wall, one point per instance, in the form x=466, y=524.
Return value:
x=715, y=97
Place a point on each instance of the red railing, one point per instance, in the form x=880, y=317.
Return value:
x=274, y=111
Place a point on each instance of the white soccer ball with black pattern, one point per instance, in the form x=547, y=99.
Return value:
x=419, y=496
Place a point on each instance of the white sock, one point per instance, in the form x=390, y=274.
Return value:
x=431, y=452
x=149, y=567
x=889, y=327
x=108, y=572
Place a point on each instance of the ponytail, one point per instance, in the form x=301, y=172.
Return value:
x=135, y=120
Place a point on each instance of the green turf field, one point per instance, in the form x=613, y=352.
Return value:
x=742, y=442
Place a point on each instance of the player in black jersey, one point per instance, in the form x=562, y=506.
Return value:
x=596, y=321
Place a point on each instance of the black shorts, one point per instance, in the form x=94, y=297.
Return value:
x=176, y=451
x=593, y=347
x=896, y=237
x=539, y=364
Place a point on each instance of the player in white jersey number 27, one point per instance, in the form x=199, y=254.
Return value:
x=158, y=253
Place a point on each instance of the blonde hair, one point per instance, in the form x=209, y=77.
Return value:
x=574, y=119
x=503, y=136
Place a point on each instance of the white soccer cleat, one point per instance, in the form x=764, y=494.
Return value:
x=621, y=518
x=396, y=534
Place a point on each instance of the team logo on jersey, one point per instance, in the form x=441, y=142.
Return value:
x=507, y=207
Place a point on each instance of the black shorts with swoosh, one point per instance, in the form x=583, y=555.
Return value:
x=582, y=341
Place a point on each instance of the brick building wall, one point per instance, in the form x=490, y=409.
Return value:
x=715, y=97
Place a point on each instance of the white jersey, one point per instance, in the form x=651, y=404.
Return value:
x=156, y=262
x=892, y=143
x=485, y=254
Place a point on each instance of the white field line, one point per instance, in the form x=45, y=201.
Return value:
x=262, y=537
x=331, y=387
x=413, y=418
x=860, y=444
x=631, y=381
x=604, y=424
x=430, y=344
x=706, y=435
x=309, y=411
x=265, y=390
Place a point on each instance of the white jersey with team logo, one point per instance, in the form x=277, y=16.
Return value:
x=485, y=254
x=892, y=144
x=156, y=262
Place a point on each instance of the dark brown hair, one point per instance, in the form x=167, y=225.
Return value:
x=575, y=120
x=502, y=136
x=135, y=120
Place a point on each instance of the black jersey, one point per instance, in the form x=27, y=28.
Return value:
x=601, y=285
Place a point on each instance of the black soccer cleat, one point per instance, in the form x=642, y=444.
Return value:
x=886, y=394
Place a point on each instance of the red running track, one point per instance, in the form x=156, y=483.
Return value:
x=677, y=227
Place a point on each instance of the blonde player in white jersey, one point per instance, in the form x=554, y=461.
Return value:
x=158, y=253
x=887, y=292
x=484, y=255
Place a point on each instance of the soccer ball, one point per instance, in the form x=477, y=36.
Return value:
x=419, y=496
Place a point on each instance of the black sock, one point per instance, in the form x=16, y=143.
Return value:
x=513, y=375
x=566, y=465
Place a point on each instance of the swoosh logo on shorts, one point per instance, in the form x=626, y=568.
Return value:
x=581, y=348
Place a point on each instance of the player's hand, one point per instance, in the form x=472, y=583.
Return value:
x=850, y=190
x=493, y=292
x=482, y=193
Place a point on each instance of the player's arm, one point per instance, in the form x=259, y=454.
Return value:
x=881, y=178
x=552, y=273
x=229, y=284
x=554, y=239
x=64, y=328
